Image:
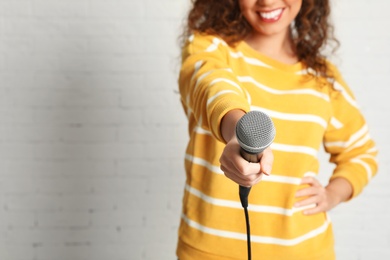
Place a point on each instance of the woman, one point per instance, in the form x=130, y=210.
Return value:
x=243, y=55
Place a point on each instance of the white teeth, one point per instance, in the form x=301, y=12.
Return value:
x=271, y=15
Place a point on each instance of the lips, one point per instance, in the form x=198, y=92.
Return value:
x=271, y=16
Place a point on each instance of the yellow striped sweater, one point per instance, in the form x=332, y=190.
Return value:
x=216, y=78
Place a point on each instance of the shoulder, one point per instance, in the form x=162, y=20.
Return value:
x=333, y=69
x=338, y=82
x=202, y=42
x=342, y=95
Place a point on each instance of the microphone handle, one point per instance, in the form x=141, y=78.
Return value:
x=244, y=191
x=250, y=157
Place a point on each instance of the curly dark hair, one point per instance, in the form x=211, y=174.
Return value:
x=311, y=30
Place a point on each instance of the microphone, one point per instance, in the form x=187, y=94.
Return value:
x=255, y=131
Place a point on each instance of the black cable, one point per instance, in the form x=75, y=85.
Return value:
x=248, y=233
x=244, y=192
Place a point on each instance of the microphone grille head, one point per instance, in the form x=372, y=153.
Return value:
x=255, y=132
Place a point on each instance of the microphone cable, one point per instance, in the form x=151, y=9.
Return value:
x=255, y=132
x=244, y=192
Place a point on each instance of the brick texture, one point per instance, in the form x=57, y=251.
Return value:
x=92, y=134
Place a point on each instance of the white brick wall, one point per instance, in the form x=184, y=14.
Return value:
x=92, y=133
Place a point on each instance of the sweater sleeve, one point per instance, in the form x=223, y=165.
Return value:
x=348, y=141
x=208, y=87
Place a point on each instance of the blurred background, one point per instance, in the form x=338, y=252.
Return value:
x=92, y=133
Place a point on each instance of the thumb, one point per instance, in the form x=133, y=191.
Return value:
x=266, y=161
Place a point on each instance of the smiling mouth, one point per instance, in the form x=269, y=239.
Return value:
x=272, y=15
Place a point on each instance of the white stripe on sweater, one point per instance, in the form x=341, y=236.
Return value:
x=217, y=41
x=336, y=123
x=251, y=207
x=258, y=239
x=293, y=117
x=345, y=94
x=365, y=166
x=204, y=163
x=356, y=136
x=294, y=149
x=248, y=79
x=230, y=82
x=271, y=178
x=248, y=60
x=220, y=93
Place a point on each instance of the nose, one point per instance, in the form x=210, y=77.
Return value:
x=266, y=3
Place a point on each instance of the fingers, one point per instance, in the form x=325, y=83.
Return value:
x=306, y=202
x=310, y=191
x=246, y=181
x=315, y=197
x=267, y=161
x=315, y=187
x=311, y=205
x=241, y=171
x=310, y=180
x=315, y=210
x=255, y=170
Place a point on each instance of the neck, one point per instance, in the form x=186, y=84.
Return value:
x=279, y=47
